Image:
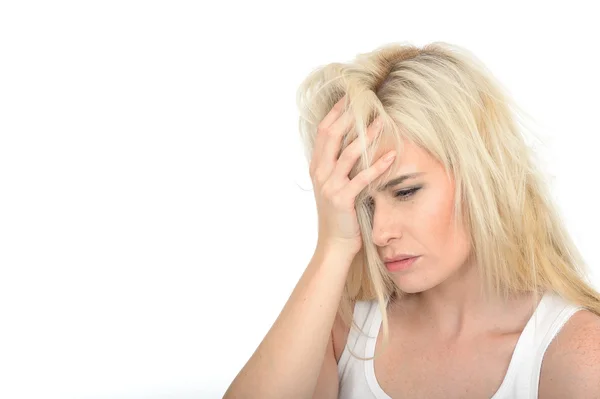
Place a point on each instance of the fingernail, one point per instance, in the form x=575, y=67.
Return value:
x=390, y=156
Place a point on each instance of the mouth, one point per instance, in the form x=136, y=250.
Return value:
x=402, y=263
x=399, y=257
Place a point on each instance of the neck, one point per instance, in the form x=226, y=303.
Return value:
x=456, y=308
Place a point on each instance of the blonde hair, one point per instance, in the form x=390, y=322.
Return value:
x=443, y=99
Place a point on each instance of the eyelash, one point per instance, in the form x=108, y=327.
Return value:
x=403, y=195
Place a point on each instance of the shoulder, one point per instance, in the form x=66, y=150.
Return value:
x=571, y=365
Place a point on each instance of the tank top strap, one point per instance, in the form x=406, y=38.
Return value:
x=554, y=314
x=522, y=377
x=362, y=317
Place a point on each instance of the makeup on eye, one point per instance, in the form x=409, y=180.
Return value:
x=401, y=195
x=406, y=193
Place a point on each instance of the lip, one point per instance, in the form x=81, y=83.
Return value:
x=401, y=264
x=399, y=257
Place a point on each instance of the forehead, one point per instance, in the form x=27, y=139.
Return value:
x=410, y=155
x=410, y=159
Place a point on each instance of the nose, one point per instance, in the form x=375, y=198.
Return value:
x=385, y=227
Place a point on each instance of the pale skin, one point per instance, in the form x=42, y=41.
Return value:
x=453, y=344
x=444, y=282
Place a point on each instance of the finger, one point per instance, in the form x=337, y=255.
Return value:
x=335, y=113
x=351, y=153
x=331, y=147
x=323, y=128
x=361, y=180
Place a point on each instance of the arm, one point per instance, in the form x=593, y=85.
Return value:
x=288, y=361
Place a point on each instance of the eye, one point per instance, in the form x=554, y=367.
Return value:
x=403, y=195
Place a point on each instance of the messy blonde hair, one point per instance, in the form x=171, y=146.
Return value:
x=443, y=99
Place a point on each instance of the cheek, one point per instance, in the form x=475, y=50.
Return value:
x=436, y=214
x=436, y=219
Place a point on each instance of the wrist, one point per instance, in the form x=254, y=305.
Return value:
x=337, y=250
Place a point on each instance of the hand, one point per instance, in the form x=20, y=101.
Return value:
x=335, y=193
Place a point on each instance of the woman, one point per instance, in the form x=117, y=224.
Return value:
x=444, y=271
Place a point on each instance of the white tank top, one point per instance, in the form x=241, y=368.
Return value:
x=357, y=377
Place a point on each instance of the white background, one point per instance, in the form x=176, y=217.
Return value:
x=155, y=203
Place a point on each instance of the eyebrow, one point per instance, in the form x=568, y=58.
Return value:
x=398, y=180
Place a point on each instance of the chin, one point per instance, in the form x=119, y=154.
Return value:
x=412, y=286
x=414, y=283
x=412, y=290
x=421, y=279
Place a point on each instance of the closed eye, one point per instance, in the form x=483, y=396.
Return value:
x=403, y=195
